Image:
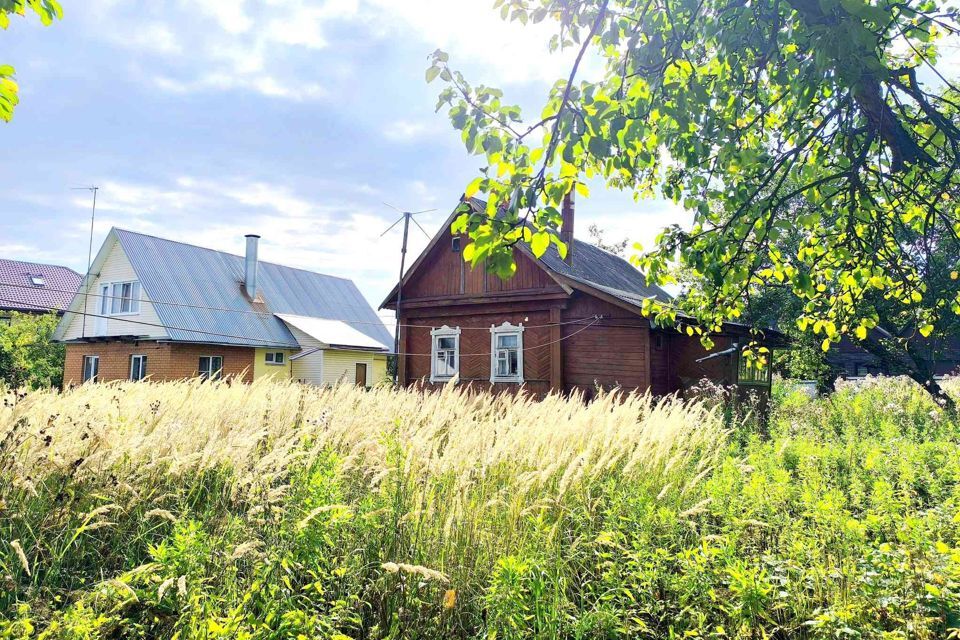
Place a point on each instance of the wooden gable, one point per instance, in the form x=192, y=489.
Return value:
x=443, y=273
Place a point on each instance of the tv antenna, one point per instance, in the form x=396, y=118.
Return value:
x=86, y=290
x=406, y=217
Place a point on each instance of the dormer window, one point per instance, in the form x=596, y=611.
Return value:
x=37, y=280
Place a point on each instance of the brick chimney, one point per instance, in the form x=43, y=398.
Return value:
x=251, y=266
x=566, y=228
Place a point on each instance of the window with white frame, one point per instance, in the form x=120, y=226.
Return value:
x=138, y=367
x=275, y=357
x=211, y=367
x=444, y=353
x=91, y=368
x=124, y=298
x=506, y=353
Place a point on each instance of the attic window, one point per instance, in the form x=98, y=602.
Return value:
x=38, y=281
x=455, y=245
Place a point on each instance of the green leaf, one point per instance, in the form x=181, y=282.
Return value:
x=473, y=188
x=539, y=243
x=432, y=73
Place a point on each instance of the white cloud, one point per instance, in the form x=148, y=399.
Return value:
x=328, y=234
x=210, y=45
x=409, y=131
x=474, y=34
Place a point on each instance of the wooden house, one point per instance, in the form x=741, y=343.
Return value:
x=556, y=325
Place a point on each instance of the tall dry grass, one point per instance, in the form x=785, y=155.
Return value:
x=199, y=510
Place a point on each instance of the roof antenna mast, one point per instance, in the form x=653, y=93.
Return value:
x=86, y=289
x=406, y=217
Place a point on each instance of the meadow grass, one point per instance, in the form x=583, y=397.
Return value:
x=274, y=510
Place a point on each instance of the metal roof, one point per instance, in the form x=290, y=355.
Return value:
x=333, y=333
x=607, y=272
x=184, y=274
x=56, y=287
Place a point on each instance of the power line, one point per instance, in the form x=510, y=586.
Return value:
x=142, y=323
x=595, y=319
x=247, y=311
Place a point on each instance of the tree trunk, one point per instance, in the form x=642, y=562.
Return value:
x=898, y=360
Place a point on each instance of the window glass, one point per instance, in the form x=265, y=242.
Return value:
x=125, y=297
x=507, y=342
x=211, y=367
x=506, y=354
x=445, y=349
x=138, y=367
x=91, y=368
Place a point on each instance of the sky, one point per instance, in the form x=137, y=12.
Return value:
x=301, y=120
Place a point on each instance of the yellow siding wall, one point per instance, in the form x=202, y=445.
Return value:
x=261, y=369
x=379, y=369
x=342, y=366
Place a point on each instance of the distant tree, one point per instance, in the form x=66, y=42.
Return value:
x=596, y=237
x=28, y=356
x=47, y=10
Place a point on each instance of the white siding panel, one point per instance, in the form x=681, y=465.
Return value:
x=116, y=268
x=309, y=368
x=306, y=340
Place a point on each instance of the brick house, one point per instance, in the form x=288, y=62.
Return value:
x=164, y=310
x=559, y=324
x=32, y=287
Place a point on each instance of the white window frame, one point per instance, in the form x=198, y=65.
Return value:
x=142, y=359
x=506, y=329
x=115, y=308
x=105, y=299
x=95, y=376
x=275, y=358
x=435, y=337
x=208, y=374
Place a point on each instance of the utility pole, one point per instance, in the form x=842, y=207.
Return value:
x=86, y=287
x=406, y=217
x=403, y=261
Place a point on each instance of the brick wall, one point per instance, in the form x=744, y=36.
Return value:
x=165, y=361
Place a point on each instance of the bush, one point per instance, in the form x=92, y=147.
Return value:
x=28, y=357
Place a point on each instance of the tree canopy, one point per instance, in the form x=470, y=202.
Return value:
x=47, y=10
x=736, y=109
x=28, y=355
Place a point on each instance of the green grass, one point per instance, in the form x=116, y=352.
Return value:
x=274, y=511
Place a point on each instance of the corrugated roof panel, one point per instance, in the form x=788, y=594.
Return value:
x=189, y=275
x=594, y=266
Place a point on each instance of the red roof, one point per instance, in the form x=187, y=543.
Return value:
x=31, y=287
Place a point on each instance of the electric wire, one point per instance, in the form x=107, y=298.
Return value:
x=594, y=320
x=245, y=311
